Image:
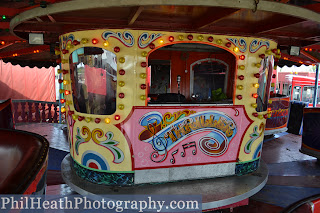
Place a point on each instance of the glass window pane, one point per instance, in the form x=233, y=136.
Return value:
x=209, y=81
x=264, y=80
x=296, y=93
x=94, y=80
x=285, y=89
x=190, y=73
x=307, y=94
x=289, y=91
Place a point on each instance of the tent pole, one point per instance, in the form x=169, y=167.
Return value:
x=60, y=97
x=316, y=86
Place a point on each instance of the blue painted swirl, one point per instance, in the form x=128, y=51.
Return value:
x=126, y=38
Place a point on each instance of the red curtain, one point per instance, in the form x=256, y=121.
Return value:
x=96, y=80
x=25, y=83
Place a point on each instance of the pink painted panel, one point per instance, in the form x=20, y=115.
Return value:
x=181, y=136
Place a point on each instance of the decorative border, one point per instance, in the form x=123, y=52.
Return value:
x=110, y=179
x=145, y=36
x=240, y=43
x=123, y=38
x=255, y=45
x=247, y=167
x=65, y=39
x=254, y=136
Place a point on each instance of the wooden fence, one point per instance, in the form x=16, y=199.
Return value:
x=25, y=111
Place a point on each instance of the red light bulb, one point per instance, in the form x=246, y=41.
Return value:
x=122, y=72
x=255, y=95
x=228, y=44
x=62, y=101
x=239, y=97
x=95, y=41
x=152, y=46
x=117, y=117
x=97, y=120
x=121, y=95
x=210, y=38
x=241, y=77
x=262, y=56
x=242, y=57
x=143, y=64
x=116, y=49
x=64, y=51
x=255, y=114
x=143, y=86
x=171, y=38
x=66, y=92
x=75, y=42
x=190, y=37
x=60, y=81
x=257, y=75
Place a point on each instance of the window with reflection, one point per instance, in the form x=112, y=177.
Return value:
x=296, y=94
x=191, y=73
x=208, y=80
x=285, y=89
x=308, y=94
x=264, y=80
x=93, y=73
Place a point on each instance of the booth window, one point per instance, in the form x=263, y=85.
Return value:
x=208, y=80
x=285, y=89
x=191, y=73
x=93, y=74
x=296, y=94
x=264, y=80
x=308, y=94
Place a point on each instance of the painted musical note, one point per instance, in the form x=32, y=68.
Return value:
x=173, y=160
x=189, y=145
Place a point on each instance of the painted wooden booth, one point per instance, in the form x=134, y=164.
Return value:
x=151, y=107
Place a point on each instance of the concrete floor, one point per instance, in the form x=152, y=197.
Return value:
x=292, y=175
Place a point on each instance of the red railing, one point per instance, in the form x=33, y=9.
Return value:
x=25, y=111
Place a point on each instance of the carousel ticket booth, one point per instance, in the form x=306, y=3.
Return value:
x=147, y=107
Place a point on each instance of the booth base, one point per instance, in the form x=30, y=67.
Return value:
x=216, y=193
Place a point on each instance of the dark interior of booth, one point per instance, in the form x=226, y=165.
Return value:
x=190, y=73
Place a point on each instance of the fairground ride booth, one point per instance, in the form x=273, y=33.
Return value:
x=156, y=107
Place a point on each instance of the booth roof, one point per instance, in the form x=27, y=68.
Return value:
x=289, y=22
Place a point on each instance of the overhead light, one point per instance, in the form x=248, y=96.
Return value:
x=294, y=50
x=36, y=38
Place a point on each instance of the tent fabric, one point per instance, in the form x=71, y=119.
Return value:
x=96, y=80
x=25, y=83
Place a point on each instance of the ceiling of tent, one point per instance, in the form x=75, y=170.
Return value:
x=258, y=18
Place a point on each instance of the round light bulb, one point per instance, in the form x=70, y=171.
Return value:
x=106, y=43
x=107, y=120
x=256, y=85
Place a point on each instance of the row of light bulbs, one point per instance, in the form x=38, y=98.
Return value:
x=161, y=41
